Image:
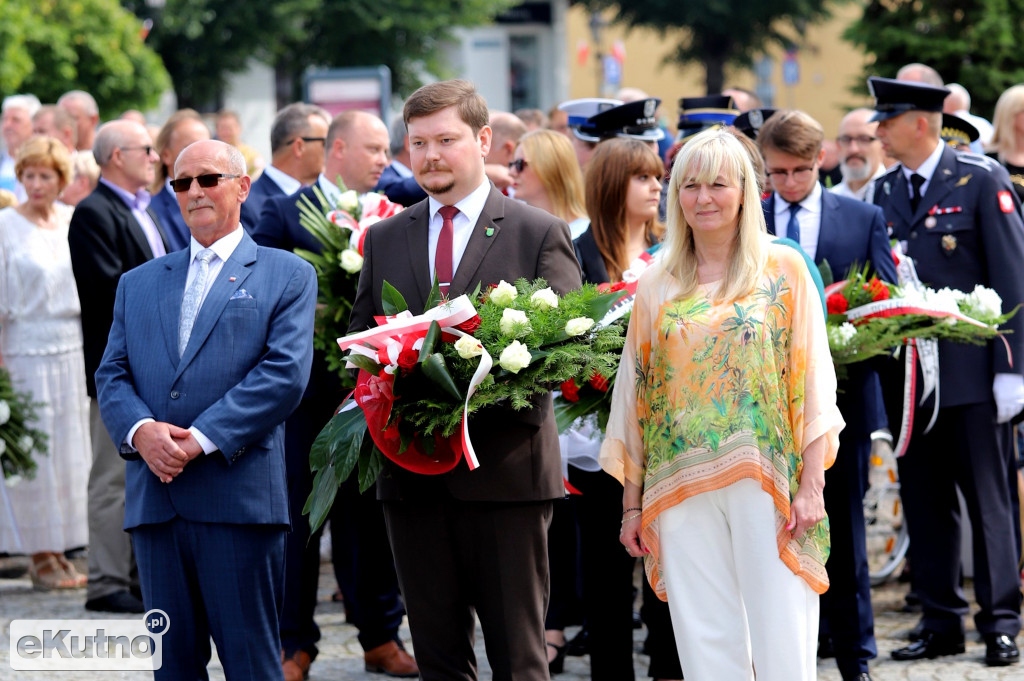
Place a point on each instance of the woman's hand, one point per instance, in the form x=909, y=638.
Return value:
x=808, y=505
x=630, y=537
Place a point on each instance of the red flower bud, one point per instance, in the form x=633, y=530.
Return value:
x=599, y=382
x=407, y=358
x=836, y=303
x=570, y=391
x=470, y=325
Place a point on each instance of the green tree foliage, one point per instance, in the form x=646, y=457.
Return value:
x=719, y=32
x=48, y=47
x=971, y=42
x=203, y=41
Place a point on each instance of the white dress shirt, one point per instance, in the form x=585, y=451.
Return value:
x=925, y=170
x=470, y=209
x=866, y=193
x=288, y=184
x=809, y=217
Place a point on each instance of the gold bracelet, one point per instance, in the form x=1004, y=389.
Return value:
x=632, y=517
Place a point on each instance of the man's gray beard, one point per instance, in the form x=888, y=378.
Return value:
x=861, y=172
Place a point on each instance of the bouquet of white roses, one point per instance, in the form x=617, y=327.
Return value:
x=422, y=376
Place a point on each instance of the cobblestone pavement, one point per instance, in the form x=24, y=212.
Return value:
x=340, y=656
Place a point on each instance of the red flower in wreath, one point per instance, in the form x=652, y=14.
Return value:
x=407, y=358
x=877, y=289
x=836, y=303
x=470, y=325
x=599, y=382
x=570, y=391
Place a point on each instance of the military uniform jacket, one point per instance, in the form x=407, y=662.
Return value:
x=966, y=231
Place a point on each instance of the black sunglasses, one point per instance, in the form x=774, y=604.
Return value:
x=518, y=165
x=183, y=184
x=147, y=148
x=309, y=139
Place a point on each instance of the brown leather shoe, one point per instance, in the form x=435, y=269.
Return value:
x=296, y=668
x=392, y=660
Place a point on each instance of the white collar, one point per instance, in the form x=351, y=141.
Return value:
x=927, y=169
x=471, y=205
x=223, y=246
x=288, y=184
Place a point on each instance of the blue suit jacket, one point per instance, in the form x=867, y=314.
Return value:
x=176, y=232
x=852, y=233
x=242, y=374
x=279, y=226
x=403, y=190
x=261, y=190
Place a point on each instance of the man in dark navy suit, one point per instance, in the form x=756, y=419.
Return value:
x=357, y=144
x=184, y=127
x=958, y=217
x=846, y=233
x=298, y=141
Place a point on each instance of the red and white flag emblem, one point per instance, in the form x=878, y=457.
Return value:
x=1005, y=202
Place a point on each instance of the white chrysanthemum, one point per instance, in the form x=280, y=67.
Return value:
x=5, y=412
x=841, y=336
x=349, y=202
x=25, y=443
x=503, y=294
x=982, y=303
x=514, y=322
x=514, y=357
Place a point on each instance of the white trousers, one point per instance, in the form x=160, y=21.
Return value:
x=738, y=612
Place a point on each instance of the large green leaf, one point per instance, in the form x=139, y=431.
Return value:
x=429, y=341
x=598, y=307
x=392, y=300
x=371, y=461
x=436, y=370
x=567, y=412
x=434, y=297
x=333, y=456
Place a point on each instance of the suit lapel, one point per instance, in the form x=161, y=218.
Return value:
x=232, y=275
x=899, y=196
x=134, y=228
x=827, y=228
x=769, y=213
x=172, y=289
x=418, y=246
x=483, y=236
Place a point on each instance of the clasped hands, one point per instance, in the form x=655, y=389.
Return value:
x=166, y=448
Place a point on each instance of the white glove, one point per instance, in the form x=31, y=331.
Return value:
x=1008, y=389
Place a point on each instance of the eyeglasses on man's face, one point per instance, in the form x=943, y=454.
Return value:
x=798, y=174
x=183, y=184
x=862, y=140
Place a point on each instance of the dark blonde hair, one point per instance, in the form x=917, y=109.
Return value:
x=611, y=169
x=551, y=156
x=461, y=94
x=792, y=132
x=704, y=157
x=49, y=152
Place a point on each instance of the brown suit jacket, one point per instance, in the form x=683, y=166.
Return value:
x=518, y=451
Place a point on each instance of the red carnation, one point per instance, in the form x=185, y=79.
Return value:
x=407, y=358
x=836, y=303
x=877, y=289
x=570, y=391
x=599, y=382
x=470, y=325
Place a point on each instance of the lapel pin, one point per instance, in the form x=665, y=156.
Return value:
x=231, y=278
x=949, y=244
x=489, y=231
x=886, y=188
x=929, y=222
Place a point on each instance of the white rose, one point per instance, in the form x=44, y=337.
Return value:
x=504, y=293
x=514, y=357
x=985, y=303
x=578, y=325
x=349, y=202
x=513, y=322
x=5, y=413
x=3, y=445
x=12, y=481
x=469, y=347
x=25, y=443
x=351, y=261
x=544, y=299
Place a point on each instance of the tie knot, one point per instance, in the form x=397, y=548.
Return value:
x=448, y=212
x=794, y=208
x=205, y=255
x=917, y=181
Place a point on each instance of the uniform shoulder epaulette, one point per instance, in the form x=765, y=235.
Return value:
x=976, y=160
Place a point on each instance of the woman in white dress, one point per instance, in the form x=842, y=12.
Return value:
x=41, y=346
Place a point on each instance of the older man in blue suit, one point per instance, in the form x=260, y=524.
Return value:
x=209, y=352
x=846, y=233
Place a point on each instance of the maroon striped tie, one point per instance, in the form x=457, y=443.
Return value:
x=443, y=255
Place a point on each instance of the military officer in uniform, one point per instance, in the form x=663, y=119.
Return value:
x=957, y=216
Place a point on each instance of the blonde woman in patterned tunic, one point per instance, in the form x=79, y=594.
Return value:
x=723, y=421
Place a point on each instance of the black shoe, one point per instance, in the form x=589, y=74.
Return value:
x=825, y=648
x=556, y=665
x=1000, y=650
x=578, y=645
x=119, y=601
x=916, y=633
x=930, y=646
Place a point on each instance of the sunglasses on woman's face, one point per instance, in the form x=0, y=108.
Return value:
x=183, y=184
x=518, y=165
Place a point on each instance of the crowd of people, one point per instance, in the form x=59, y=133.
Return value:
x=151, y=305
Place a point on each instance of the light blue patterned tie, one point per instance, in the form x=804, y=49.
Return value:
x=190, y=303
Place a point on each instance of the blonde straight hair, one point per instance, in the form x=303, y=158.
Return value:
x=704, y=157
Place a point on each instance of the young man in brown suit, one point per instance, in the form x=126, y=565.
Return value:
x=470, y=540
